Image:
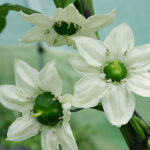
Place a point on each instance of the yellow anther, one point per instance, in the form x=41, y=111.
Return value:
x=47, y=31
x=35, y=115
x=116, y=63
x=116, y=66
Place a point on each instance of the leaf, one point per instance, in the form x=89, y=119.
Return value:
x=2, y=24
x=5, y=8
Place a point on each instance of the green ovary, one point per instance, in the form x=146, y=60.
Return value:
x=115, y=70
x=64, y=28
x=47, y=110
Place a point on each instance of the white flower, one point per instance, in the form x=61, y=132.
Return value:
x=111, y=71
x=38, y=96
x=65, y=24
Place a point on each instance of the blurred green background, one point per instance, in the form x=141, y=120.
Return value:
x=91, y=128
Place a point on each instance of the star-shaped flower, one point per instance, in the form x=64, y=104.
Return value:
x=111, y=71
x=38, y=96
x=65, y=24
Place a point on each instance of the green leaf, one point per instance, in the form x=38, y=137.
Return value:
x=5, y=8
x=8, y=7
x=2, y=24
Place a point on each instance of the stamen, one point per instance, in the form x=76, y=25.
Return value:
x=68, y=40
x=47, y=31
x=35, y=115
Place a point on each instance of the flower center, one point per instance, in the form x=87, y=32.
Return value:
x=47, y=110
x=115, y=71
x=63, y=28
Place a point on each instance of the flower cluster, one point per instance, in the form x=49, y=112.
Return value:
x=112, y=70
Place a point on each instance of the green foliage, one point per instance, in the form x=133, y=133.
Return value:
x=3, y=15
x=5, y=8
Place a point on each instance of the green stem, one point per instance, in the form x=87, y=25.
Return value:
x=98, y=107
x=136, y=126
x=59, y=3
x=136, y=132
x=88, y=8
x=7, y=7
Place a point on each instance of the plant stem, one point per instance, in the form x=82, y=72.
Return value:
x=7, y=7
x=87, y=6
x=88, y=10
x=136, y=132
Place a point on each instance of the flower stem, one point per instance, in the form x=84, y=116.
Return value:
x=87, y=6
x=136, y=132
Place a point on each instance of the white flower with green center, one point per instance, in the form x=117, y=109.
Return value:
x=65, y=24
x=38, y=96
x=111, y=71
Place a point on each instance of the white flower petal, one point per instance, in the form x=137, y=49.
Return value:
x=49, y=79
x=26, y=78
x=55, y=39
x=49, y=139
x=23, y=128
x=11, y=98
x=139, y=57
x=139, y=83
x=99, y=21
x=82, y=67
x=66, y=101
x=69, y=14
x=118, y=105
x=36, y=34
x=67, y=98
x=119, y=40
x=37, y=19
x=93, y=51
x=66, y=138
x=88, y=91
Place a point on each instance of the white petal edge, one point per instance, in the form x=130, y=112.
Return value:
x=65, y=99
x=26, y=78
x=82, y=67
x=118, y=105
x=139, y=57
x=49, y=79
x=89, y=91
x=37, y=19
x=119, y=40
x=55, y=39
x=23, y=128
x=66, y=138
x=139, y=83
x=69, y=14
x=93, y=51
x=11, y=98
x=99, y=21
x=49, y=139
x=36, y=34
